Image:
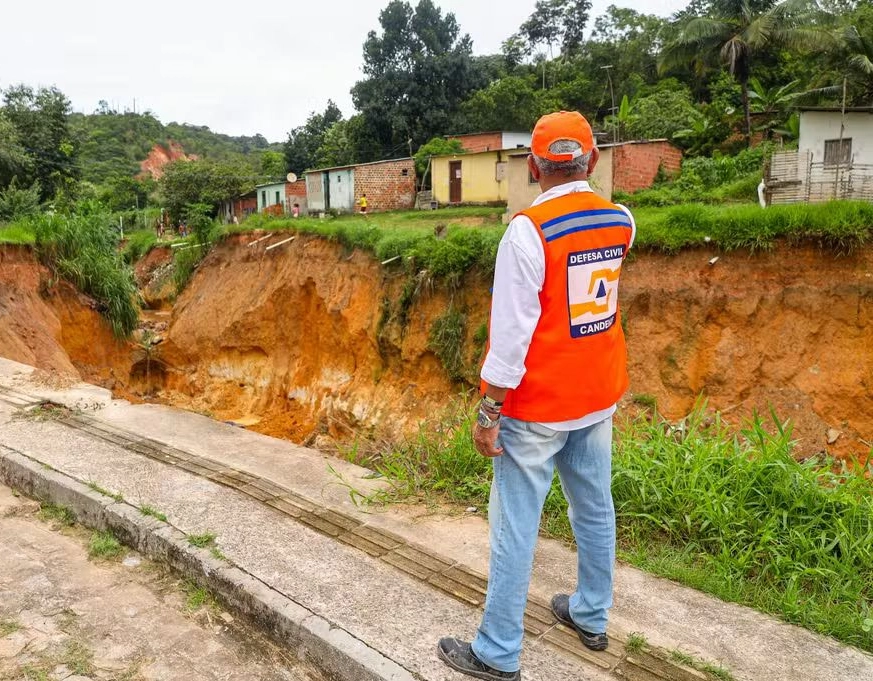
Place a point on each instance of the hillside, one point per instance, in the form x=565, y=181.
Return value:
x=114, y=144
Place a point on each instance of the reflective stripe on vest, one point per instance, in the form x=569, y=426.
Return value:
x=577, y=360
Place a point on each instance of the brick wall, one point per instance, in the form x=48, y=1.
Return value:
x=486, y=141
x=295, y=193
x=245, y=206
x=386, y=186
x=634, y=166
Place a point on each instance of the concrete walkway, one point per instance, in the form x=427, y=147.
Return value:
x=393, y=580
x=64, y=617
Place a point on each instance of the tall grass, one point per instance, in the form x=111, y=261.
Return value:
x=138, y=245
x=83, y=248
x=735, y=516
x=17, y=233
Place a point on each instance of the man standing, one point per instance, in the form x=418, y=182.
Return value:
x=556, y=366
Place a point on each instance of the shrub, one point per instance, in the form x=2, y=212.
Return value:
x=139, y=244
x=18, y=202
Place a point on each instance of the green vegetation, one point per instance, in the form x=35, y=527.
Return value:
x=152, y=513
x=202, y=541
x=446, y=340
x=197, y=596
x=104, y=545
x=139, y=245
x=17, y=234
x=635, y=642
x=737, y=517
x=82, y=248
x=105, y=492
x=8, y=626
x=78, y=658
x=61, y=515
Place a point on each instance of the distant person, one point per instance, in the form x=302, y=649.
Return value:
x=295, y=210
x=556, y=368
x=363, y=204
x=235, y=219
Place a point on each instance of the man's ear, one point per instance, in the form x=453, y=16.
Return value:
x=533, y=168
x=595, y=157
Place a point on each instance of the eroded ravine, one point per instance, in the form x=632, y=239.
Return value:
x=311, y=339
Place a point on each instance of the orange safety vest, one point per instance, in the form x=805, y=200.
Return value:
x=577, y=360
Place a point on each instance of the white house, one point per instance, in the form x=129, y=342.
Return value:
x=834, y=159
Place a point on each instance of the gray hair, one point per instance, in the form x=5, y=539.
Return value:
x=577, y=166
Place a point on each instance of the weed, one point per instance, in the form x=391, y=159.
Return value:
x=104, y=545
x=635, y=642
x=106, y=493
x=480, y=340
x=216, y=553
x=139, y=244
x=152, y=513
x=681, y=658
x=645, y=400
x=78, y=658
x=446, y=340
x=201, y=541
x=47, y=411
x=32, y=673
x=197, y=596
x=17, y=234
x=8, y=627
x=61, y=515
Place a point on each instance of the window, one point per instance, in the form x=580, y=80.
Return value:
x=264, y=198
x=405, y=172
x=277, y=198
x=530, y=177
x=837, y=152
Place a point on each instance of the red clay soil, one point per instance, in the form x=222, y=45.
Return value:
x=50, y=325
x=161, y=156
x=295, y=342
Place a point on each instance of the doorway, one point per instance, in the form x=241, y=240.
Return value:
x=455, y=182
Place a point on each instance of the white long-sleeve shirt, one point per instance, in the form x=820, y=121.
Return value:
x=515, y=307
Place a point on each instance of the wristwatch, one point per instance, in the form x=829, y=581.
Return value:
x=484, y=421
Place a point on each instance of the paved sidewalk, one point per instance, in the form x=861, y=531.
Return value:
x=64, y=617
x=399, y=594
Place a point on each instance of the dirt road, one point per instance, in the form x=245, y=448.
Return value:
x=68, y=616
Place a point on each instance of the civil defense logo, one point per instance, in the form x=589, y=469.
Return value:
x=592, y=289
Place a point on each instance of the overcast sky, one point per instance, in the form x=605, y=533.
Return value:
x=238, y=67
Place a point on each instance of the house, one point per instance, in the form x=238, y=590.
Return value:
x=834, y=158
x=271, y=194
x=495, y=177
x=240, y=207
x=475, y=142
x=389, y=185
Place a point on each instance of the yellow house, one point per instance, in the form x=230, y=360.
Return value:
x=480, y=178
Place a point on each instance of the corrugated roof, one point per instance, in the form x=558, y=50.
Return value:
x=358, y=165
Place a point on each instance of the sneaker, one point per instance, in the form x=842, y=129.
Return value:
x=459, y=656
x=561, y=610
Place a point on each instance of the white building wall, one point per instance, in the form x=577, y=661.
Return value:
x=818, y=126
x=342, y=190
x=516, y=140
x=267, y=195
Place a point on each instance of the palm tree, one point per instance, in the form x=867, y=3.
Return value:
x=738, y=31
x=860, y=52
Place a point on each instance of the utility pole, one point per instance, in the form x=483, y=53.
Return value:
x=840, y=143
x=608, y=68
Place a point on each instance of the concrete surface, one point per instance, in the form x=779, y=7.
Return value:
x=360, y=594
x=65, y=617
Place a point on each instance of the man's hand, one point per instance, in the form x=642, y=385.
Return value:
x=485, y=440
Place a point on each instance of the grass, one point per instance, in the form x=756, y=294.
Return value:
x=202, y=541
x=17, y=234
x=197, y=596
x=735, y=516
x=106, y=493
x=635, y=642
x=138, y=245
x=78, y=658
x=82, y=249
x=8, y=626
x=105, y=546
x=687, y=660
x=646, y=401
x=152, y=513
x=61, y=515
x=446, y=341
x=840, y=227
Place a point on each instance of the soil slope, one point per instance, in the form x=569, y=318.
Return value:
x=310, y=338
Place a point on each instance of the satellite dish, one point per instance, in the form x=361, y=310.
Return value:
x=292, y=178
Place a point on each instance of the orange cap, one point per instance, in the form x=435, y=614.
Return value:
x=562, y=125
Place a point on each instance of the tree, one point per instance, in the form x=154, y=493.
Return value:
x=438, y=146
x=18, y=202
x=203, y=182
x=661, y=114
x=418, y=70
x=336, y=148
x=14, y=160
x=557, y=21
x=271, y=165
x=511, y=103
x=40, y=118
x=740, y=30
x=304, y=141
x=859, y=51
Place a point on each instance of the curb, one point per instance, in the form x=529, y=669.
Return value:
x=311, y=637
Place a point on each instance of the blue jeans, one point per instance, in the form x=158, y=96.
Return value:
x=522, y=479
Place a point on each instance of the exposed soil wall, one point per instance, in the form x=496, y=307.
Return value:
x=310, y=338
